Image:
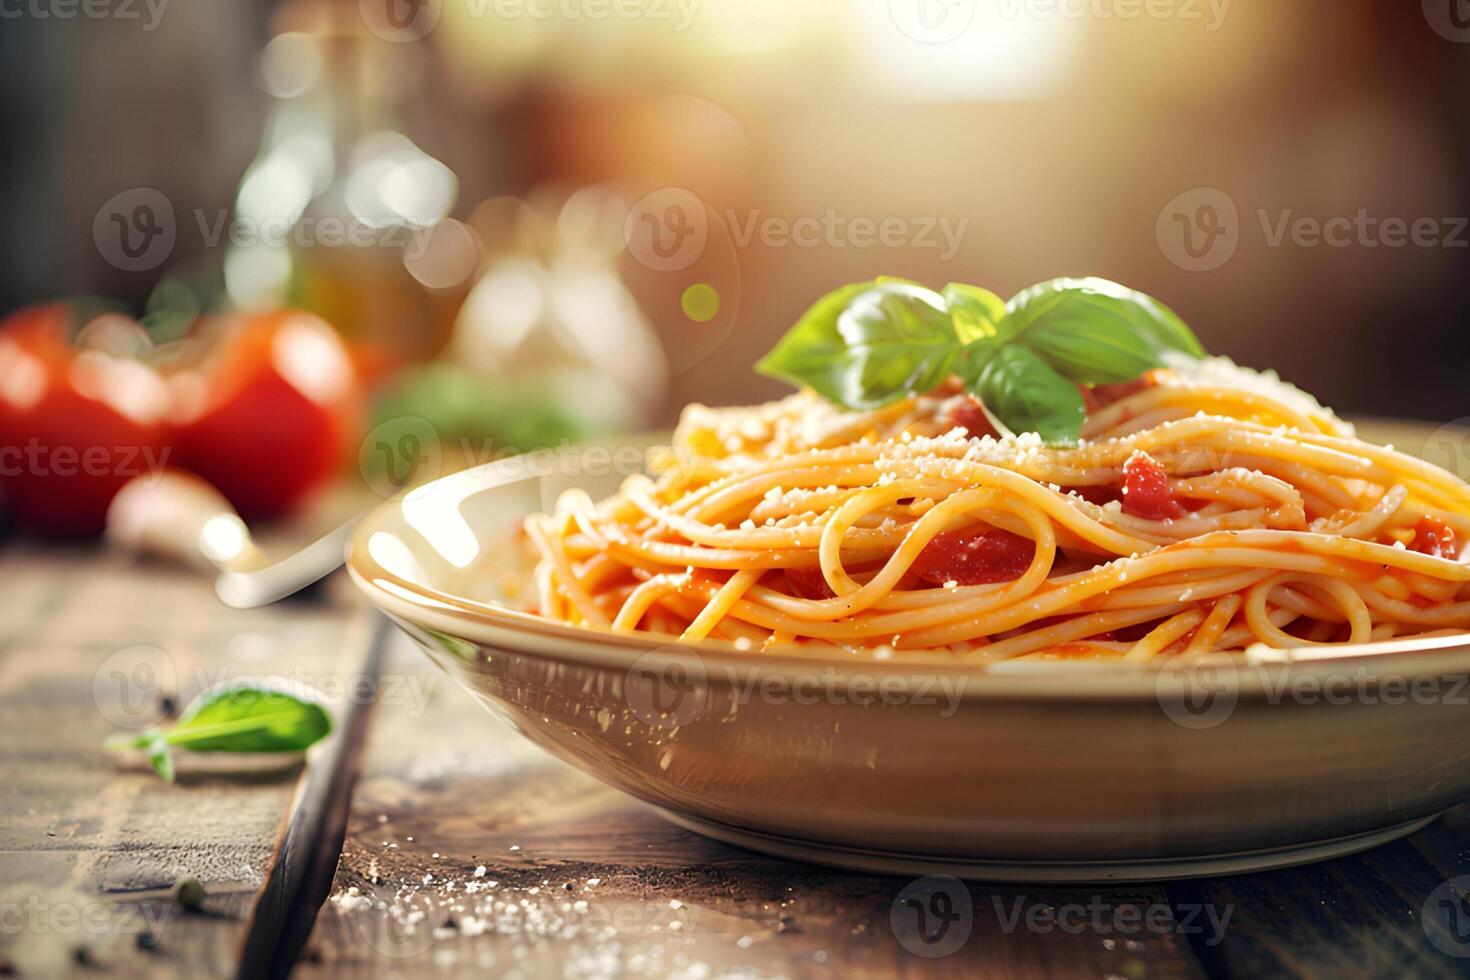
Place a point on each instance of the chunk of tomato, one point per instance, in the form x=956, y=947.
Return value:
x=966, y=412
x=808, y=583
x=974, y=558
x=1146, y=490
x=1435, y=538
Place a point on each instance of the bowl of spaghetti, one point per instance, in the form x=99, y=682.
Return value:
x=986, y=597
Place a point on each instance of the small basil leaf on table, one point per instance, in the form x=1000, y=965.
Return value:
x=1098, y=332
x=160, y=758
x=244, y=718
x=1026, y=395
x=868, y=344
x=258, y=716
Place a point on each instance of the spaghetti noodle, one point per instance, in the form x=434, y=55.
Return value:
x=1206, y=509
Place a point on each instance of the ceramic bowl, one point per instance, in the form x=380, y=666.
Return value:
x=1059, y=772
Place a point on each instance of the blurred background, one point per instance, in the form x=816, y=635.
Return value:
x=527, y=221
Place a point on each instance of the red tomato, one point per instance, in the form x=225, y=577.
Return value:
x=974, y=557
x=273, y=412
x=967, y=412
x=74, y=425
x=1435, y=538
x=1146, y=491
x=808, y=583
x=1105, y=395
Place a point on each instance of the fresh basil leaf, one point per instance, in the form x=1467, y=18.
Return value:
x=1098, y=332
x=868, y=344
x=161, y=757
x=256, y=717
x=978, y=314
x=1026, y=395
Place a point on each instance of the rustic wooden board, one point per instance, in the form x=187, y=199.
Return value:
x=580, y=880
x=89, y=848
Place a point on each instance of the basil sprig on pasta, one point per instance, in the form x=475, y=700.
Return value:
x=872, y=343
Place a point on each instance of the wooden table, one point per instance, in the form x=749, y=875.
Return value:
x=427, y=840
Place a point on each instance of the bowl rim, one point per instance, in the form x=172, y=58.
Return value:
x=506, y=628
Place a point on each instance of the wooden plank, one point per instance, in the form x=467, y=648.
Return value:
x=579, y=880
x=1359, y=916
x=89, y=849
